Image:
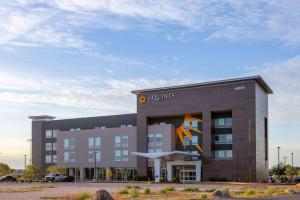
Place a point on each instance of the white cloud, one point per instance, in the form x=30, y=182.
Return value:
x=284, y=79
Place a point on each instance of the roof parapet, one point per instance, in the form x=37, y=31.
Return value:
x=42, y=118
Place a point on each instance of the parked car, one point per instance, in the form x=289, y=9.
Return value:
x=53, y=177
x=65, y=179
x=8, y=178
x=296, y=179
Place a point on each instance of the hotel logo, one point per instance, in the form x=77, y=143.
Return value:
x=156, y=97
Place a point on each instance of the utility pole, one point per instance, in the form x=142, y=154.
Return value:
x=278, y=149
x=284, y=158
x=25, y=164
x=292, y=159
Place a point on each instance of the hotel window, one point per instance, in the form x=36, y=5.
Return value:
x=72, y=156
x=102, y=127
x=123, y=126
x=223, y=154
x=228, y=122
x=194, y=139
x=54, y=159
x=129, y=125
x=91, y=142
x=219, y=123
x=150, y=150
x=228, y=138
x=48, y=133
x=117, y=155
x=125, y=155
x=48, y=146
x=66, y=156
x=117, y=141
x=150, y=140
x=158, y=139
x=97, y=142
x=220, y=139
x=77, y=129
x=228, y=154
x=72, y=129
x=195, y=157
x=158, y=150
x=187, y=140
x=48, y=158
x=66, y=143
x=55, y=132
x=125, y=141
x=195, y=124
x=72, y=143
x=54, y=146
x=186, y=125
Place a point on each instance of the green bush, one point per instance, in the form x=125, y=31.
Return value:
x=203, y=196
x=270, y=190
x=210, y=190
x=123, y=191
x=83, y=196
x=167, y=189
x=250, y=191
x=134, y=192
x=147, y=190
x=191, y=189
x=225, y=189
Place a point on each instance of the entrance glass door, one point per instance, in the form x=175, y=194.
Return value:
x=187, y=175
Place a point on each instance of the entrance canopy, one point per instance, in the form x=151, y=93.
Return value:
x=173, y=155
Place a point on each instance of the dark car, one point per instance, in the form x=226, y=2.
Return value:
x=8, y=178
x=297, y=179
x=66, y=179
x=53, y=177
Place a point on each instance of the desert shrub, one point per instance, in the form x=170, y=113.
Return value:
x=250, y=192
x=203, y=196
x=270, y=190
x=167, y=189
x=136, y=187
x=134, y=192
x=123, y=190
x=210, y=190
x=147, y=190
x=191, y=189
x=225, y=189
x=83, y=196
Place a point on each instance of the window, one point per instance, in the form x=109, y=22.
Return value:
x=228, y=154
x=228, y=122
x=220, y=139
x=123, y=126
x=72, y=156
x=66, y=156
x=77, y=129
x=129, y=125
x=48, y=158
x=158, y=139
x=125, y=141
x=72, y=129
x=194, y=139
x=195, y=157
x=125, y=155
x=150, y=139
x=55, y=132
x=96, y=127
x=117, y=155
x=66, y=143
x=223, y=154
x=186, y=125
x=117, y=141
x=54, y=159
x=48, y=133
x=220, y=122
x=195, y=124
x=72, y=143
x=91, y=142
x=54, y=146
x=229, y=139
x=97, y=142
x=150, y=150
x=98, y=156
x=162, y=123
x=158, y=150
x=187, y=140
x=102, y=127
x=48, y=146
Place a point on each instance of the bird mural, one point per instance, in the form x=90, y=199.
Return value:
x=182, y=131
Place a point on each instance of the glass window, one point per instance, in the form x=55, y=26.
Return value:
x=195, y=124
x=54, y=146
x=123, y=126
x=48, y=158
x=97, y=142
x=125, y=155
x=48, y=146
x=150, y=150
x=229, y=154
x=96, y=127
x=98, y=156
x=77, y=129
x=194, y=139
x=72, y=129
x=48, y=133
x=195, y=157
x=102, y=127
x=55, y=132
x=125, y=141
x=186, y=125
x=187, y=140
x=129, y=125
x=228, y=122
x=117, y=155
x=66, y=156
x=158, y=150
x=219, y=122
x=66, y=143
x=117, y=141
x=54, y=158
x=72, y=156
x=229, y=139
x=91, y=142
x=158, y=139
x=72, y=143
x=150, y=139
x=220, y=139
x=219, y=154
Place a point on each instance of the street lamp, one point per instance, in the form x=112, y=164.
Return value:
x=95, y=174
x=292, y=159
x=30, y=150
x=278, y=149
x=284, y=158
x=25, y=164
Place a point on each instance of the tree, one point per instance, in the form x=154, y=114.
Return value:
x=31, y=172
x=278, y=170
x=4, y=169
x=56, y=169
x=290, y=171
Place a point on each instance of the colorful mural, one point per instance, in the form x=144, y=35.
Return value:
x=182, y=131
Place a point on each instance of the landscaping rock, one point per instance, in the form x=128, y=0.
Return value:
x=217, y=194
x=103, y=195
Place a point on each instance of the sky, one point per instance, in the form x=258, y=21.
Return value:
x=79, y=58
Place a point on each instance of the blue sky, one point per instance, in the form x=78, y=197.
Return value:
x=76, y=58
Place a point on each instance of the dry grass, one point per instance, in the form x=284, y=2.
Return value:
x=78, y=196
x=27, y=189
x=261, y=192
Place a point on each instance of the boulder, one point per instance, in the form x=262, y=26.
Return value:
x=103, y=195
x=225, y=194
x=217, y=194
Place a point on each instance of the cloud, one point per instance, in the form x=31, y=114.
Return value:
x=284, y=78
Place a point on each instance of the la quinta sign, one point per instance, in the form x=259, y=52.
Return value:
x=159, y=97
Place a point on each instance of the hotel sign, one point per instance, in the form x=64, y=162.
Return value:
x=159, y=97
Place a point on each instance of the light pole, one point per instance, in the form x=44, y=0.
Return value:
x=278, y=149
x=284, y=158
x=25, y=164
x=292, y=159
x=95, y=174
x=30, y=150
